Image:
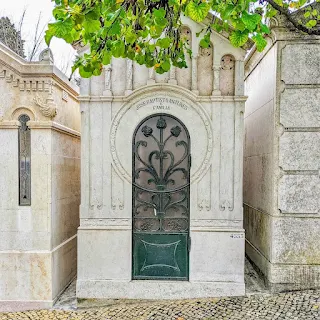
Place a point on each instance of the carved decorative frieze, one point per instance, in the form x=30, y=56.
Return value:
x=25, y=84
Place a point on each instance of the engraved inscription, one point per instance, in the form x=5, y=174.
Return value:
x=160, y=103
x=237, y=236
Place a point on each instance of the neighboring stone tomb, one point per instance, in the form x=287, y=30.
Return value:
x=39, y=181
x=145, y=215
x=282, y=159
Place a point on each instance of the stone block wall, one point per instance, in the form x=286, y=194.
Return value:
x=38, y=240
x=282, y=160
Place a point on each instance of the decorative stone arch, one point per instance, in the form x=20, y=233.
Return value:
x=16, y=113
x=169, y=99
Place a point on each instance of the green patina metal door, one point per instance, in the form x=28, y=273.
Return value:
x=161, y=196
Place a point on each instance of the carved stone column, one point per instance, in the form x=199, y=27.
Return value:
x=172, y=79
x=107, y=81
x=152, y=76
x=216, y=80
x=194, y=79
x=129, y=78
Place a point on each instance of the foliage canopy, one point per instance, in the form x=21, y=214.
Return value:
x=149, y=31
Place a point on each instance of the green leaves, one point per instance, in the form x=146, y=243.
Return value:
x=260, y=42
x=197, y=11
x=239, y=38
x=61, y=29
x=205, y=41
x=164, y=43
x=149, y=32
x=250, y=20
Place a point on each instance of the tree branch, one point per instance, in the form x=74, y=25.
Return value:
x=296, y=24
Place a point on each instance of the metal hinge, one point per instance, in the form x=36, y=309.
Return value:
x=189, y=244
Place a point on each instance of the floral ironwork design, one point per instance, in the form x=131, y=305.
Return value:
x=161, y=175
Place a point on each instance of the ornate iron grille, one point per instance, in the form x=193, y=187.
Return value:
x=24, y=162
x=161, y=179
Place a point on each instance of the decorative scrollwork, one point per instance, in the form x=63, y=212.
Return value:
x=161, y=182
x=48, y=108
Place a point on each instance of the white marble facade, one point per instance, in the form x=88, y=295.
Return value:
x=282, y=159
x=112, y=105
x=38, y=241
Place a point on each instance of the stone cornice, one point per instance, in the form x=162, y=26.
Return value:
x=164, y=87
x=14, y=124
x=53, y=126
x=27, y=75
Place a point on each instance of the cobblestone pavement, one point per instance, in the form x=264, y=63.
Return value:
x=258, y=304
x=299, y=305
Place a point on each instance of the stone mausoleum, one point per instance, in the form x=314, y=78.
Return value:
x=161, y=178
x=39, y=181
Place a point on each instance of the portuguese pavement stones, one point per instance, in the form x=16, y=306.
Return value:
x=299, y=305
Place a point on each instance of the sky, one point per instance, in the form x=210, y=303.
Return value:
x=63, y=53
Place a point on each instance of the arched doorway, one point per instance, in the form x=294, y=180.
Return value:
x=161, y=199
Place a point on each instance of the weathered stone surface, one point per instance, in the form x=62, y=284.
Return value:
x=299, y=107
x=281, y=177
x=296, y=241
x=299, y=151
x=258, y=229
x=258, y=181
x=299, y=194
x=300, y=64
